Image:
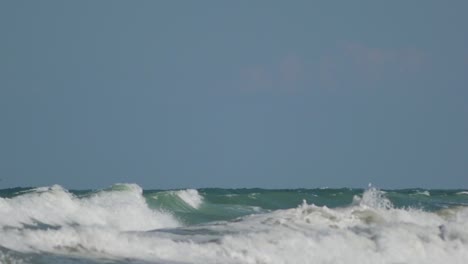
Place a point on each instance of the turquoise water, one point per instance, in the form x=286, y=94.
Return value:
x=226, y=204
x=124, y=223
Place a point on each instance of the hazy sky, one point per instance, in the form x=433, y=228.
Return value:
x=276, y=94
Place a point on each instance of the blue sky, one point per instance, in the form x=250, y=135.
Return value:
x=275, y=94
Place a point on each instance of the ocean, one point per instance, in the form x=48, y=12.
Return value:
x=126, y=224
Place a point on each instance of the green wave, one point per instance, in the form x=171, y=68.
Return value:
x=216, y=204
x=227, y=204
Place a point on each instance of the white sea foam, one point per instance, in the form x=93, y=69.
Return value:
x=7, y=258
x=425, y=193
x=253, y=195
x=374, y=198
x=123, y=210
x=369, y=231
x=190, y=197
x=463, y=193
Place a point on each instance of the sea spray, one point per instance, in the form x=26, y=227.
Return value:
x=190, y=197
x=122, y=209
x=124, y=224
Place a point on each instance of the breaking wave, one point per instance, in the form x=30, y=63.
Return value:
x=125, y=224
x=121, y=207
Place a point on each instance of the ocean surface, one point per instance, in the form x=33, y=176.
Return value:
x=126, y=224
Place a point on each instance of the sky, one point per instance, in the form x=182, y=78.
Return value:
x=272, y=94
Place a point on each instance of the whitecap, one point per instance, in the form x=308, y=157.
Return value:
x=374, y=198
x=368, y=231
x=190, y=197
x=425, y=193
x=125, y=209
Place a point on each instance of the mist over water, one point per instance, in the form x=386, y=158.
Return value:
x=126, y=224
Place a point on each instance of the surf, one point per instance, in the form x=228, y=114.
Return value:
x=126, y=223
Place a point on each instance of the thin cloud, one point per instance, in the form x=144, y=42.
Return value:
x=356, y=62
x=283, y=75
x=256, y=78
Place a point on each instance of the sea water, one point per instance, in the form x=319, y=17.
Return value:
x=126, y=224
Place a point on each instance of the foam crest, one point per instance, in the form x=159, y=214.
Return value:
x=190, y=197
x=307, y=234
x=424, y=193
x=374, y=198
x=124, y=209
x=94, y=229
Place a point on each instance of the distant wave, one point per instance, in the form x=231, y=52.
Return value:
x=424, y=193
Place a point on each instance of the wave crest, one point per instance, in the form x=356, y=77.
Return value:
x=121, y=207
x=374, y=198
